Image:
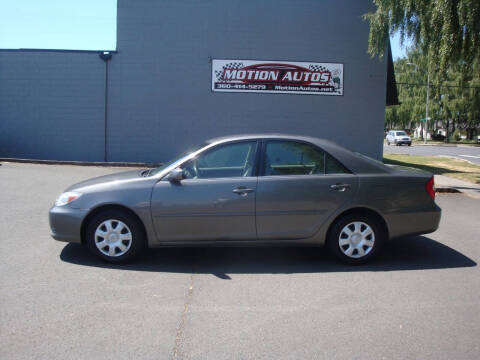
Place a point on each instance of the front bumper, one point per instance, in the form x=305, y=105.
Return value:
x=66, y=223
x=401, y=142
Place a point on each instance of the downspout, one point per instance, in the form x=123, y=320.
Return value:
x=105, y=56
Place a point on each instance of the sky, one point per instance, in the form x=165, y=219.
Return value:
x=397, y=50
x=71, y=25
x=58, y=24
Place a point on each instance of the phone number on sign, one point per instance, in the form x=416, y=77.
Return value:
x=241, y=86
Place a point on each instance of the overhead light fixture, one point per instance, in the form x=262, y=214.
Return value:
x=105, y=55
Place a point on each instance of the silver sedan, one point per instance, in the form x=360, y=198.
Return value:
x=250, y=190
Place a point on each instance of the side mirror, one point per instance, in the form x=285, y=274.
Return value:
x=176, y=175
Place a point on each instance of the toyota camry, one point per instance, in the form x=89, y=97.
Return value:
x=250, y=190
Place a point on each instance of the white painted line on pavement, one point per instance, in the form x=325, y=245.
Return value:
x=470, y=156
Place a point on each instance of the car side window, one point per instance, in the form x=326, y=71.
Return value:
x=228, y=160
x=292, y=158
x=333, y=166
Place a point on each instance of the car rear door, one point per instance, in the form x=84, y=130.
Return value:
x=299, y=188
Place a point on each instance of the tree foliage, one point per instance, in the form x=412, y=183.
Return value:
x=447, y=31
x=454, y=102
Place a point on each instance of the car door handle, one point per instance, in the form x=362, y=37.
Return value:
x=340, y=187
x=242, y=190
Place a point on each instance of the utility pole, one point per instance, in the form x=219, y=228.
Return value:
x=425, y=130
x=426, y=109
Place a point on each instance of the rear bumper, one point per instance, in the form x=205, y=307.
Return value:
x=414, y=223
x=66, y=223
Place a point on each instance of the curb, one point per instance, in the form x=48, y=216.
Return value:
x=80, y=163
x=447, y=190
x=449, y=145
x=442, y=145
x=441, y=189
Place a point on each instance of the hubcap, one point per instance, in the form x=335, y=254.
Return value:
x=113, y=238
x=356, y=239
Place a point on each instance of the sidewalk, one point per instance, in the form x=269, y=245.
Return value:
x=445, y=144
x=445, y=183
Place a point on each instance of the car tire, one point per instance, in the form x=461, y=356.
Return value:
x=409, y=144
x=388, y=143
x=346, y=242
x=115, y=236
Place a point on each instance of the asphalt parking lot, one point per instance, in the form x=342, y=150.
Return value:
x=464, y=152
x=419, y=300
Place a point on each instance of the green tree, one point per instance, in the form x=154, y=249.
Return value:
x=461, y=101
x=454, y=102
x=410, y=70
x=447, y=31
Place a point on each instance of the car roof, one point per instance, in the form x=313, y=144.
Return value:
x=263, y=136
x=357, y=163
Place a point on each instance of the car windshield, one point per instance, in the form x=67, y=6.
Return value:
x=401, y=133
x=176, y=159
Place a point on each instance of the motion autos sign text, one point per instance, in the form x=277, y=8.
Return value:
x=277, y=77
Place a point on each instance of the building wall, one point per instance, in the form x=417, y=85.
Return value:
x=160, y=99
x=51, y=105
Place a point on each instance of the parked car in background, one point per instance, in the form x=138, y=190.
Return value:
x=438, y=137
x=398, y=137
x=250, y=190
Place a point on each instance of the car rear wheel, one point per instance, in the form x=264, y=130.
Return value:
x=115, y=236
x=356, y=238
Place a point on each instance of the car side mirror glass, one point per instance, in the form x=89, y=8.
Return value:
x=176, y=175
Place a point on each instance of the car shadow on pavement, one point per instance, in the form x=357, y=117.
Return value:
x=412, y=253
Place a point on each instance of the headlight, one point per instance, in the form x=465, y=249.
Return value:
x=67, y=197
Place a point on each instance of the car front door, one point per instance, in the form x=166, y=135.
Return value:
x=214, y=201
x=300, y=187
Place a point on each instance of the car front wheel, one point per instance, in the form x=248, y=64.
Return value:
x=115, y=236
x=356, y=238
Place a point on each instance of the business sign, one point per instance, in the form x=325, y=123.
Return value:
x=279, y=77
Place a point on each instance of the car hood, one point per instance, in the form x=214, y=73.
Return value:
x=108, y=179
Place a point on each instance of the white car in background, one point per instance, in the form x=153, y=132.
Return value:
x=398, y=137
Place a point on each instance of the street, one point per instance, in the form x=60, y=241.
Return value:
x=419, y=300
x=470, y=153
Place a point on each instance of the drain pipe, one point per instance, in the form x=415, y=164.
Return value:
x=105, y=56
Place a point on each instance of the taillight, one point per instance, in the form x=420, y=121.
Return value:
x=430, y=187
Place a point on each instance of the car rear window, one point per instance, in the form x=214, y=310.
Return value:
x=333, y=166
x=293, y=158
